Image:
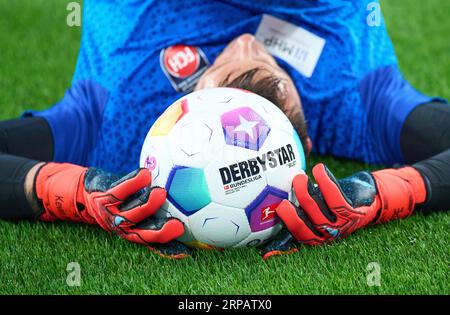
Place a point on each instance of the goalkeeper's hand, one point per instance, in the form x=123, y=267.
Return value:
x=123, y=206
x=335, y=208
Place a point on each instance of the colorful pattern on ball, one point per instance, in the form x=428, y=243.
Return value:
x=169, y=118
x=187, y=189
x=261, y=212
x=243, y=127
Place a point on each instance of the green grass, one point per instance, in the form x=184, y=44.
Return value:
x=37, y=57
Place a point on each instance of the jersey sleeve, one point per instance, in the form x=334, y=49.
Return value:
x=389, y=99
x=75, y=121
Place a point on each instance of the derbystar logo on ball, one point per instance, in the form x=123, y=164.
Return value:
x=241, y=173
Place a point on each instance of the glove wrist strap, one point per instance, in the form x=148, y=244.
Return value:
x=57, y=186
x=399, y=191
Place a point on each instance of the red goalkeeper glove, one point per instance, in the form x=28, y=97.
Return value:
x=335, y=208
x=120, y=205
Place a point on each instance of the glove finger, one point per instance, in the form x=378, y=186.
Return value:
x=171, y=250
x=283, y=244
x=154, y=231
x=131, y=184
x=298, y=224
x=309, y=204
x=332, y=193
x=138, y=209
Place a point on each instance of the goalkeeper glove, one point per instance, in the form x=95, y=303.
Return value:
x=120, y=205
x=335, y=208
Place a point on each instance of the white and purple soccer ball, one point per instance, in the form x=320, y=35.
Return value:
x=227, y=158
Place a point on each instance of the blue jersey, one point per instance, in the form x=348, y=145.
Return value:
x=137, y=57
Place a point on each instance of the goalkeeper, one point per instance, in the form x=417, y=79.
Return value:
x=136, y=58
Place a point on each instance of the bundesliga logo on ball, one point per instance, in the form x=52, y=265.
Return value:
x=227, y=158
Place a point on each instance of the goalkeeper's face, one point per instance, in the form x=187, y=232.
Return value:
x=246, y=64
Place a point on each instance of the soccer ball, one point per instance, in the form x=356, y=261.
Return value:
x=227, y=158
